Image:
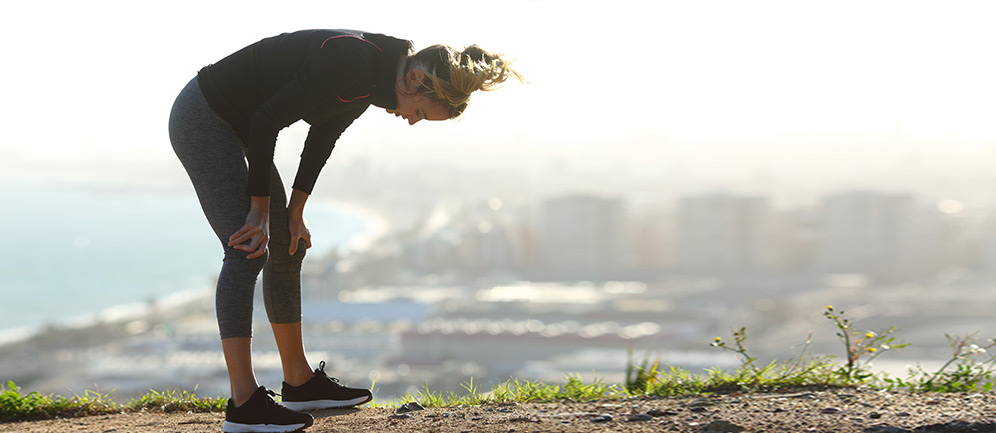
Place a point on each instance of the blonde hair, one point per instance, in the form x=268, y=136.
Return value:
x=453, y=76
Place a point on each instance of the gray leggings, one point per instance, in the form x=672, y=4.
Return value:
x=214, y=158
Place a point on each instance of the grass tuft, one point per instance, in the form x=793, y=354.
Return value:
x=15, y=406
x=177, y=400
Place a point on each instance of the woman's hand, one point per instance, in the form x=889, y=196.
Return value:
x=298, y=230
x=255, y=234
x=296, y=223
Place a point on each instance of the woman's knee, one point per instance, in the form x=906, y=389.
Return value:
x=234, y=257
x=282, y=261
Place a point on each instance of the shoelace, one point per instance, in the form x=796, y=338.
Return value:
x=270, y=402
x=320, y=371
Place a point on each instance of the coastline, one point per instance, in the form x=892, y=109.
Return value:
x=378, y=225
x=75, y=273
x=115, y=315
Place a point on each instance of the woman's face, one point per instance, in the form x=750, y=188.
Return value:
x=414, y=107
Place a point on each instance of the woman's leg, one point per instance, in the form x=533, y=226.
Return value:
x=303, y=388
x=282, y=289
x=297, y=370
x=212, y=155
x=238, y=359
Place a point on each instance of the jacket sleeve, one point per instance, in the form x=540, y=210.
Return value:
x=318, y=147
x=330, y=71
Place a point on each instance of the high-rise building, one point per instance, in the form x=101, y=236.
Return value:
x=874, y=232
x=723, y=233
x=582, y=234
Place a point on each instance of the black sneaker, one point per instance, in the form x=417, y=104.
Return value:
x=262, y=414
x=323, y=392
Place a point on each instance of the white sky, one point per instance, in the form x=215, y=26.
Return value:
x=103, y=74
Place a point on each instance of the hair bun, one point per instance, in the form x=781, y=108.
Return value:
x=476, y=55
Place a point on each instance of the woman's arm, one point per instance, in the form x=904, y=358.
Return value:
x=295, y=219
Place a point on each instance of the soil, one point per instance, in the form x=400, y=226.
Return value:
x=823, y=411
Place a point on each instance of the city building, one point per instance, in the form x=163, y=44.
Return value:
x=582, y=235
x=723, y=233
x=877, y=233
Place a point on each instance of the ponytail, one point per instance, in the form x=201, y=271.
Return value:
x=453, y=76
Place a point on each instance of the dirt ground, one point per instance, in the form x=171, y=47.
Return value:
x=837, y=411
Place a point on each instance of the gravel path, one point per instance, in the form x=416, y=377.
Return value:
x=836, y=411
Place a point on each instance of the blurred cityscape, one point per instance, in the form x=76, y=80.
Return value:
x=493, y=275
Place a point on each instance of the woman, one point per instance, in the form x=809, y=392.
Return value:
x=231, y=112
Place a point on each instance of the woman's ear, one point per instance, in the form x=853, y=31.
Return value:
x=414, y=79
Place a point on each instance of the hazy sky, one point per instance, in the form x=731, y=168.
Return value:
x=99, y=77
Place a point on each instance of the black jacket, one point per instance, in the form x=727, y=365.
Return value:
x=326, y=77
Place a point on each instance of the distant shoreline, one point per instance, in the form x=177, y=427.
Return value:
x=67, y=278
x=378, y=224
x=115, y=315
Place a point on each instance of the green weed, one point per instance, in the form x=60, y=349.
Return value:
x=16, y=406
x=177, y=400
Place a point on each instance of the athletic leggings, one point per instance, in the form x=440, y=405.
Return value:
x=214, y=158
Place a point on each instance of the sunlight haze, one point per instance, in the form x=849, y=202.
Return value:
x=96, y=80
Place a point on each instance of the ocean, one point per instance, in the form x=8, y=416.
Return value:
x=72, y=250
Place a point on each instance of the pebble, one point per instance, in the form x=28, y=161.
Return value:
x=400, y=416
x=659, y=413
x=410, y=407
x=701, y=402
x=602, y=418
x=640, y=417
x=830, y=410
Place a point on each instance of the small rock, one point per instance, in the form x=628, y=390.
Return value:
x=602, y=418
x=875, y=415
x=829, y=410
x=410, y=407
x=400, y=416
x=698, y=409
x=934, y=402
x=903, y=414
x=658, y=413
x=639, y=417
x=701, y=402
x=722, y=426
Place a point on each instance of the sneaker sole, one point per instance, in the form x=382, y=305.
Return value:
x=234, y=427
x=323, y=404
